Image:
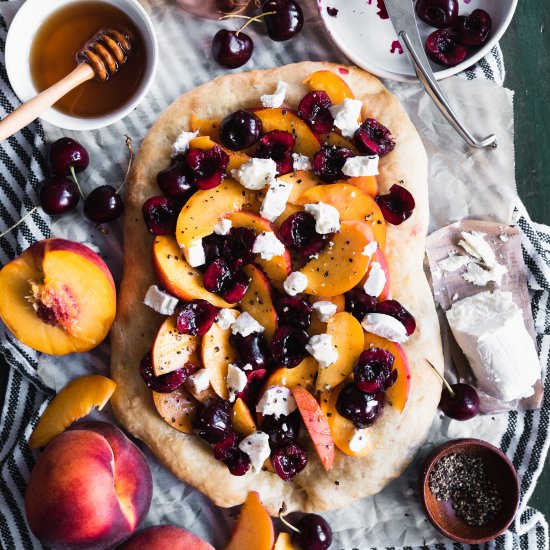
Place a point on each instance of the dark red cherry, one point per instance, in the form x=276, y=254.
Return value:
x=361, y=408
x=240, y=130
x=228, y=452
x=289, y=460
x=314, y=109
x=103, y=204
x=473, y=29
x=286, y=22
x=329, y=161
x=161, y=215
x=213, y=247
x=231, y=49
x=374, y=371
x=282, y=430
x=397, y=206
x=288, y=346
x=165, y=383
x=196, y=317
x=293, y=311
x=314, y=533
x=251, y=349
x=217, y=276
x=236, y=288
x=444, y=49
x=437, y=13
x=212, y=420
x=66, y=152
x=372, y=138
x=58, y=195
x=255, y=382
x=298, y=232
x=237, y=249
x=358, y=303
x=207, y=168
x=277, y=145
x=176, y=181
x=396, y=310
x=461, y=402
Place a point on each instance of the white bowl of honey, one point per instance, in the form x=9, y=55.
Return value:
x=41, y=49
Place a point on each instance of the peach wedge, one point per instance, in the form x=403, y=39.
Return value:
x=176, y=408
x=73, y=402
x=243, y=422
x=329, y=82
x=258, y=299
x=301, y=375
x=236, y=158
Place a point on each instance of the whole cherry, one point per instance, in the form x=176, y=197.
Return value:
x=67, y=155
x=58, y=195
x=312, y=532
x=232, y=49
x=103, y=204
x=284, y=19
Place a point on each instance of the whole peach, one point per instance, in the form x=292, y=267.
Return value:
x=91, y=488
x=165, y=537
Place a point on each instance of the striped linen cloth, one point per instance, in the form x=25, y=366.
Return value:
x=23, y=167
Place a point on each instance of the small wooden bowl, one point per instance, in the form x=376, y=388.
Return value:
x=500, y=471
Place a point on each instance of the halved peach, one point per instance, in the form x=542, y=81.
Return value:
x=302, y=375
x=236, y=158
x=341, y=265
x=347, y=338
x=254, y=528
x=307, y=142
x=352, y=204
x=74, y=401
x=176, y=275
x=58, y=297
x=243, y=421
x=216, y=354
x=176, y=408
x=398, y=394
x=258, y=299
x=301, y=181
x=276, y=269
x=329, y=82
x=317, y=326
x=172, y=350
x=316, y=425
x=379, y=257
x=341, y=429
x=207, y=207
x=206, y=127
x=367, y=184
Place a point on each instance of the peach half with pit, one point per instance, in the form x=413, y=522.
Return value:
x=90, y=488
x=165, y=537
x=58, y=297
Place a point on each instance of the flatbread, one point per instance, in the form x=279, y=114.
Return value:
x=396, y=436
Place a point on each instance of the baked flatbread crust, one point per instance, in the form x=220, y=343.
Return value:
x=396, y=436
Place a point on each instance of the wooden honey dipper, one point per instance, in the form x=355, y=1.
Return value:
x=100, y=58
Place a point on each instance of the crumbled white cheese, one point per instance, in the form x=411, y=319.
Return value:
x=256, y=446
x=454, y=262
x=226, y=317
x=360, y=438
x=370, y=249
x=160, y=301
x=223, y=227
x=277, y=401
x=247, y=366
x=200, y=380
x=325, y=310
x=327, y=218
x=346, y=116
x=267, y=245
x=276, y=99
x=194, y=253
x=504, y=238
x=246, y=325
x=181, y=145
x=322, y=349
x=236, y=381
x=361, y=166
x=476, y=246
x=275, y=200
x=255, y=173
x=385, y=326
x=300, y=162
x=490, y=329
x=295, y=283
x=376, y=281
x=476, y=275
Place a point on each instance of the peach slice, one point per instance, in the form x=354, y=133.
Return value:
x=334, y=139
x=258, y=299
x=172, y=350
x=206, y=127
x=317, y=326
x=301, y=375
x=347, y=338
x=217, y=353
x=58, y=297
x=341, y=429
x=177, y=276
x=254, y=528
x=202, y=396
x=379, y=257
x=335, y=87
x=243, y=422
x=352, y=204
x=367, y=184
x=301, y=181
x=341, y=265
x=284, y=542
x=307, y=142
x=74, y=401
x=176, y=408
x=276, y=269
x=207, y=207
x=316, y=425
x=236, y=158
x=398, y=394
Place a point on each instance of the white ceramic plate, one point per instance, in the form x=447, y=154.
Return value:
x=371, y=43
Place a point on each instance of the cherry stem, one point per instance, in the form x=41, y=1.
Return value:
x=452, y=393
x=250, y=19
x=73, y=174
x=281, y=517
x=34, y=208
x=131, y=152
x=243, y=6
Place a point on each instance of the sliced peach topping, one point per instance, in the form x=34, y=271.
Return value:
x=302, y=375
x=176, y=408
x=335, y=87
x=206, y=127
x=243, y=422
x=367, y=184
x=301, y=181
x=236, y=158
x=317, y=326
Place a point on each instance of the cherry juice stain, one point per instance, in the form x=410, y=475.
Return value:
x=382, y=12
x=343, y=70
x=396, y=47
x=333, y=12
